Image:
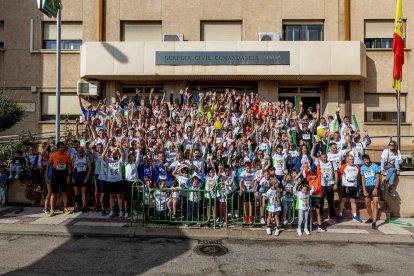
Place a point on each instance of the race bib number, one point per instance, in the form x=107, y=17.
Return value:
x=306, y=136
x=81, y=167
x=368, y=174
x=163, y=176
x=61, y=166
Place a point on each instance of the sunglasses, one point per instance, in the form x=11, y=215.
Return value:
x=391, y=145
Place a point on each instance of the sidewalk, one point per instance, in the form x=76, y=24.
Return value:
x=31, y=221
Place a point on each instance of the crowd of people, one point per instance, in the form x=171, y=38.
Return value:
x=196, y=152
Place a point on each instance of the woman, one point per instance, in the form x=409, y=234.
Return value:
x=304, y=158
x=390, y=166
x=82, y=168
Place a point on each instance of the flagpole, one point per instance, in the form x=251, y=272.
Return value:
x=398, y=119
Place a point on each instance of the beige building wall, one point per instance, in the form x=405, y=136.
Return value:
x=20, y=69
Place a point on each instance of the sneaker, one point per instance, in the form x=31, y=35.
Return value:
x=340, y=218
x=218, y=220
x=121, y=214
x=103, y=212
x=17, y=176
x=299, y=232
x=236, y=213
x=66, y=211
x=251, y=219
x=126, y=215
x=245, y=219
x=51, y=213
x=76, y=209
x=369, y=221
x=357, y=219
x=173, y=217
x=111, y=214
x=285, y=222
x=229, y=215
x=277, y=231
x=306, y=231
x=256, y=218
x=320, y=229
x=85, y=209
x=135, y=213
x=269, y=231
x=391, y=192
x=262, y=221
x=46, y=210
x=374, y=225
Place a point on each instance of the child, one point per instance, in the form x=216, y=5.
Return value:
x=288, y=183
x=160, y=196
x=261, y=190
x=3, y=185
x=246, y=190
x=18, y=164
x=131, y=176
x=194, y=197
x=148, y=204
x=315, y=184
x=273, y=206
x=226, y=178
x=173, y=199
x=211, y=193
x=303, y=202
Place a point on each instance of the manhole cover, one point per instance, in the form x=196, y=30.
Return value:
x=211, y=250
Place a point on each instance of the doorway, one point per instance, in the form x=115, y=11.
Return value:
x=310, y=96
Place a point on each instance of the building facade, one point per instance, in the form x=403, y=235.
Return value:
x=335, y=52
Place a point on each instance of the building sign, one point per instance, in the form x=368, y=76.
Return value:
x=222, y=58
x=48, y=7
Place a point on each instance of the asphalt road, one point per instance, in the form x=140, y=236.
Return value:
x=40, y=255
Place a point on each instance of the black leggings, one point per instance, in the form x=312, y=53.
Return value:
x=328, y=191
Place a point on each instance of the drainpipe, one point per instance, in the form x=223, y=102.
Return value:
x=100, y=23
x=347, y=20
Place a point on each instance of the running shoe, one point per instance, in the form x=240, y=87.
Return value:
x=121, y=214
x=262, y=221
x=391, y=192
x=251, y=219
x=320, y=229
x=340, y=218
x=66, y=211
x=285, y=222
x=277, y=231
x=299, y=232
x=306, y=231
x=245, y=219
x=111, y=214
x=46, y=210
x=357, y=219
x=103, y=212
x=369, y=221
x=126, y=215
x=269, y=231
x=51, y=213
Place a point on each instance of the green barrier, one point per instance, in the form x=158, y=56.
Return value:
x=397, y=222
x=136, y=189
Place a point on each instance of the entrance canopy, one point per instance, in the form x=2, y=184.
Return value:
x=224, y=60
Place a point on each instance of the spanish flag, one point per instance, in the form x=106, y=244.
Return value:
x=398, y=47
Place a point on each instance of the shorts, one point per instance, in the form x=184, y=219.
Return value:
x=349, y=192
x=79, y=183
x=114, y=187
x=59, y=182
x=248, y=196
x=316, y=202
x=102, y=186
x=370, y=189
x=127, y=190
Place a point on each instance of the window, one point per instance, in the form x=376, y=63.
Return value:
x=71, y=35
x=141, y=31
x=303, y=32
x=69, y=106
x=383, y=107
x=1, y=35
x=378, y=34
x=221, y=31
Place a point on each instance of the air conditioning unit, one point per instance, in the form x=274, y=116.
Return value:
x=269, y=36
x=173, y=37
x=87, y=88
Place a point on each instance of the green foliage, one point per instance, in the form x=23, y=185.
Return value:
x=7, y=150
x=10, y=113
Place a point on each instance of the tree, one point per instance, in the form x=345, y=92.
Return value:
x=10, y=113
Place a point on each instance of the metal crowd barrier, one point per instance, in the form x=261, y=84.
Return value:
x=214, y=208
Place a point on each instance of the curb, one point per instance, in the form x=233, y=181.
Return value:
x=197, y=234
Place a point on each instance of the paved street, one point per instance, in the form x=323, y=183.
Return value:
x=29, y=255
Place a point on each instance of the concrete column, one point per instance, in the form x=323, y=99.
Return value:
x=268, y=90
x=330, y=98
x=357, y=101
x=109, y=91
x=174, y=87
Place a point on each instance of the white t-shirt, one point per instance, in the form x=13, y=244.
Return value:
x=390, y=157
x=114, y=170
x=247, y=180
x=336, y=158
x=279, y=162
x=327, y=173
x=273, y=204
x=349, y=175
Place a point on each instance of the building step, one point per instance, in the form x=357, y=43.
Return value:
x=383, y=213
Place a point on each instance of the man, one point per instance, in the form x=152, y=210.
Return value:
x=329, y=181
x=82, y=169
x=350, y=174
x=370, y=175
x=59, y=163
